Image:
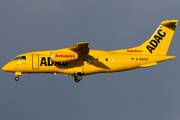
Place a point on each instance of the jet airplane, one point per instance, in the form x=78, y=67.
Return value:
x=79, y=60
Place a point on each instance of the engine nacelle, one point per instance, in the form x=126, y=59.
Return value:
x=63, y=56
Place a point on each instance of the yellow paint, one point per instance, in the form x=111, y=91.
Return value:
x=18, y=73
x=80, y=59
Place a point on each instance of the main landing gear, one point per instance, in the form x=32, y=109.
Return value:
x=16, y=78
x=77, y=77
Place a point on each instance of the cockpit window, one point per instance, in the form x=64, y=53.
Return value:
x=23, y=58
x=16, y=58
x=20, y=58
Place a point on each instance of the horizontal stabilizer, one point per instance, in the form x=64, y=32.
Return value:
x=148, y=65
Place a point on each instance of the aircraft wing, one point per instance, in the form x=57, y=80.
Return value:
x=80, y=48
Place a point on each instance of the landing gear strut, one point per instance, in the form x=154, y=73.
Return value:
x=77, y=77
x=16, y=78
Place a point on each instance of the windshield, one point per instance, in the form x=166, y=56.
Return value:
x=16, y=58
x=23, y=58
x=20, y=58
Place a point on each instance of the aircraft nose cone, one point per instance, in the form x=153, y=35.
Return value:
x=5, y=68
x=9, y=67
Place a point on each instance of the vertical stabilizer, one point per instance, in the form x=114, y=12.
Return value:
x=159, y=42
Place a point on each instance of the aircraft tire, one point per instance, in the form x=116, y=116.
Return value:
x=77, y=78
x=16, y=78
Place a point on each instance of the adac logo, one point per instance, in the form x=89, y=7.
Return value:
x=50, y=63
x=64, y=56
x=154, y=43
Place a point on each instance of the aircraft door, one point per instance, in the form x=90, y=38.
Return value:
x=35, y=61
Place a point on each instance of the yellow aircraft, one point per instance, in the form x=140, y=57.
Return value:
x=78, y=60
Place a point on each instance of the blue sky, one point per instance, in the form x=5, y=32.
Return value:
x=141, y=94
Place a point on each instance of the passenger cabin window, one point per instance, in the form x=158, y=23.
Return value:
x=89, y=59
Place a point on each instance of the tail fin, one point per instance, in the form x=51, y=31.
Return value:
x=159, y=42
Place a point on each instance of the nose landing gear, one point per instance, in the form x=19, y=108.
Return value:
x=77, y=77
x=17, y=74
x=16, y=78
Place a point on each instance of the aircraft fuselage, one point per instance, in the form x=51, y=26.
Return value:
x=96, y=61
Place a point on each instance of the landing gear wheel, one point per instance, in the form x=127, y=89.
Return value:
x=16, y=78
x=77, y=77
x=76, y=80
